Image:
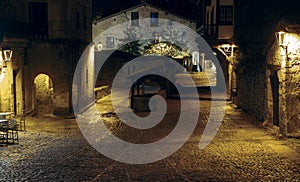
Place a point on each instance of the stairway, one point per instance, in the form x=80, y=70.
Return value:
x=201, y=79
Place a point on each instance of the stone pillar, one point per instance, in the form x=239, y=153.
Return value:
x=282, y=102
x=6, y=95
x=292, y=114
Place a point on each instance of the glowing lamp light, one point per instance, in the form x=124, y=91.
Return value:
x=7, y=54
x=288, y=41
x=280, y=38
x=98, y=47
x=227, y=49
x=1, y=60
x=163, y=45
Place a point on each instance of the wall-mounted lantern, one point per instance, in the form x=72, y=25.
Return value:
x=280, y=39
x=284, y=45
x=1, y=62
x=290, y=44
x=227, y=49
x=98, y=47
x=288, y=41
x=7, y=54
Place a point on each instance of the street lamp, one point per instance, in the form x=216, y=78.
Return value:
x=7, y=54
x=283, y=43
x=280, y=39
x=98, y=46
x=226, y=49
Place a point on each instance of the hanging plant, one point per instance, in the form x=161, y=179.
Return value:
x=166, y=49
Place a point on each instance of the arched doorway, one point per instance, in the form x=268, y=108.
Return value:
x=274, y=81
x=43, y=94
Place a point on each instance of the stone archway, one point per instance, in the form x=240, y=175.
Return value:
x=274, y=98
x=273, y=95
x=43, y=95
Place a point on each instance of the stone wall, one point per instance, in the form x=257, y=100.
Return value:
x=144, y=12
x=6, y=96
x=180, y=36
x=83, y=94
x=252, y=91
x=11, y=95
x=43, y=94
x=57, y=59
x=14, y=9
x=63, y=24
x=293, y=97
x=19, y=55
x=56, y=55
x=111, y=67
x=288, y=72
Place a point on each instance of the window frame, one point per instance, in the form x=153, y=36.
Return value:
x=40, y=23
x=110, y=42
x=154, y=19
x=135, y=18
x=226, y=15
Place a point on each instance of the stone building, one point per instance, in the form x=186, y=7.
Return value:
x=254, y=28
x=215, y=22
x=135, y=27
x=47, y=38
x=134, y=14
x=283, y=78
x=13, y=31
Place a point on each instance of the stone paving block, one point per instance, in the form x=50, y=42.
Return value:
x=239, y=152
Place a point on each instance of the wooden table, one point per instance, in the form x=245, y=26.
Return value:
x=3, y=115
x=3, y=123
x=3, y=120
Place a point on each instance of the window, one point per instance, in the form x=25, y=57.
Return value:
x=77, y=15
x=110, y=42
x=134, y=18
x=38, y=18
x=226, y=15
x=84, y=23
x=153, y=19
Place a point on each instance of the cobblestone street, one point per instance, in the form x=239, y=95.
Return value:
x=53, y=149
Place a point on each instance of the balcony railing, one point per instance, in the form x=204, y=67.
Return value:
x=211, y=31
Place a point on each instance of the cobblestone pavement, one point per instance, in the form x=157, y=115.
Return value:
x=53, y=149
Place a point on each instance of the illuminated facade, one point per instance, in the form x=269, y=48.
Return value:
x=136, y=13
x=283, y=75
x=216, y=19
x=215, y=23
x=47, y=38
x=164, y=43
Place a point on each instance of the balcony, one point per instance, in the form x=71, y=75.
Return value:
x=215, y=33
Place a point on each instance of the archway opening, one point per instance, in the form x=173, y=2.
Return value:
x=273, y=87
x=43, y=95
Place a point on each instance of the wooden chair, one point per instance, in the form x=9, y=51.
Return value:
x=4, y=132
x=21, y=125
x=13, y=131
